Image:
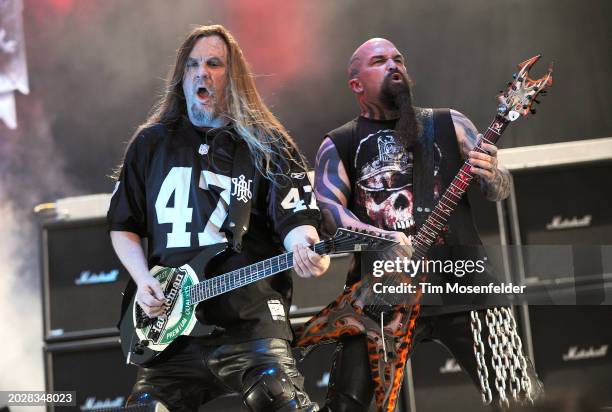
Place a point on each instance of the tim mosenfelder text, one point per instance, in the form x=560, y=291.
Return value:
x=458, y=268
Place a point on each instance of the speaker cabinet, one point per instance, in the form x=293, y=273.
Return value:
x=94, y=368
x=82, y=280
x=438, y=383
x=573, y=350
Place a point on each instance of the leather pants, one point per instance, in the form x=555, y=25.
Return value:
x=263, y=371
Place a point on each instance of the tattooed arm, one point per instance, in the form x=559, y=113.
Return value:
x=495, y=179
x=332, y=189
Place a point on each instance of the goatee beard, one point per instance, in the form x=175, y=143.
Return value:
x=398, y=96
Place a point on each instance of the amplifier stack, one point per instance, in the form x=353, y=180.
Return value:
x=82, y=283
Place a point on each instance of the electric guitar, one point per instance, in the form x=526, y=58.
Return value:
x=143, y=339
x=388, y=327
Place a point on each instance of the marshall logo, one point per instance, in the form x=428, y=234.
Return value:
x=451, y=366
x=559, y=223
x=591, y=353
x=92, y=403
x=88, y=278
x=242, y=188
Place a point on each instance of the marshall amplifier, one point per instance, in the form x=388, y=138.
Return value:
x=558, y=200
x=573, y=350
x=558, y=195
x=82, y=280
x=564, y=204
x=94, y=368
x=561, y=215
x=437, y=382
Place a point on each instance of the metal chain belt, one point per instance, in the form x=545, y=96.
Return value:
x=479, y=351
x=507, y=358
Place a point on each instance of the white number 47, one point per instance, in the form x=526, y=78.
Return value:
x=293, y=200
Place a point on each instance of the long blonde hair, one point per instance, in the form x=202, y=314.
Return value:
x=271, y=147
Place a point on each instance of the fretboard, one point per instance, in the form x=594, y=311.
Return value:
x=218, y=285
x=437, y=219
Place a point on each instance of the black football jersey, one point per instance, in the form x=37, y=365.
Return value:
x=174, y=189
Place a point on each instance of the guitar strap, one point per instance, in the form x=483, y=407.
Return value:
x=423, y=171
x=236, y=223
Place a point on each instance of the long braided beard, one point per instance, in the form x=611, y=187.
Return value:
x=398, y=96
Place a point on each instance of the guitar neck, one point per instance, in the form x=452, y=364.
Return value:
x=437, y=219
x=218, y=285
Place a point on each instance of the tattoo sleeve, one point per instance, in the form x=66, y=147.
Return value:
x=498, y=187
x=332, y=189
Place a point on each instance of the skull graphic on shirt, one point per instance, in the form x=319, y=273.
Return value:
x=384, y=182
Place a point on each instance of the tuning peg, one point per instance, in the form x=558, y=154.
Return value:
x=543, y=92
x=536, y=88
x=533, y=111
x=514, y=75
x=536, y=101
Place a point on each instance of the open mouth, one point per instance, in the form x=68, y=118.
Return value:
x=396, y=77
x=203, y=93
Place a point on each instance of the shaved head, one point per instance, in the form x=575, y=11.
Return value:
x=364, y=52
x=378, y=77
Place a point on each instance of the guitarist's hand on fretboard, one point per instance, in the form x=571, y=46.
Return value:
x=307, y=263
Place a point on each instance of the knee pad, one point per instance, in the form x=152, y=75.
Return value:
x=270, y=389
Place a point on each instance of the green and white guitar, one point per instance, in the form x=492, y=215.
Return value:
x=144, y=338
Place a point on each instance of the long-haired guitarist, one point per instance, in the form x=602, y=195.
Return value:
x=365, y=172
x=175, y=188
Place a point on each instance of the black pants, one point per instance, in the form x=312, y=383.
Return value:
x=263, y=371
x=351, y=387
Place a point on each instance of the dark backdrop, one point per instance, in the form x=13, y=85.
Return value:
x=96, y=68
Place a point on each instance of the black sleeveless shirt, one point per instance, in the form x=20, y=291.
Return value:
x=395, y=189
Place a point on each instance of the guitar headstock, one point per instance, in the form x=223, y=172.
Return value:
x=521, y=94
x=350, y=240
